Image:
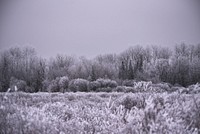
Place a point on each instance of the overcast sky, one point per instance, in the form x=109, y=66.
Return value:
x=92, y=27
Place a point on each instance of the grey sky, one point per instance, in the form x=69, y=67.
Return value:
x=92, y=27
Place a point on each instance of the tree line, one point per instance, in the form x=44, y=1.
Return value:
x=22, y=67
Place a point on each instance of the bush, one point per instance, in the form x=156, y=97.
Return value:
x=72, y=86
x=174, y=89
x=129, y=101
x=120, y=89
x=30, y=89
x=13, y=83
x=93, y=86
x=63, y=83
x=142, y=86
x=45, y=85
x=124, y=89
x=105, y=89
x=107, y=83
x=161, y=87
x=128, y=83
x=54, y=87
x=60, y=84
x=131, y=89
x=78, y=85
x=164, y=86
x=182, y=90
x=102, y=85
x=194, y=88
x=20, y=84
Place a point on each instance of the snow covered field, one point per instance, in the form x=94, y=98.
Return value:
x=89, y=113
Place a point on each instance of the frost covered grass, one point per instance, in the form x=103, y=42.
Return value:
x=81, y=113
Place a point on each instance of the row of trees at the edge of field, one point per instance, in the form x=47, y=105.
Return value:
x=22, y=67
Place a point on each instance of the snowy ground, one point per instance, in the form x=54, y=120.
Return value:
x=89, y=113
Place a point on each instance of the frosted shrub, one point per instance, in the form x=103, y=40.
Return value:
x=63, y=83
x=120, y=89
x=129, y=83
x=60, y=84
x=94, y=85
x=157, y=88
x=45, y=85
x=105, y=89
x=30, y=89
x=163, y=87
x=81, y=84
x=158, y=103
x=72, y=86
x=54, y=86
x=194, y=88
x=78, y=85
x=174, y=89
x=102, y=85
x=143, y=85
x=131, y=89
x=20, y=84
x=13, y=83
x=182, y=90
x=125, y=89
x=107, y=83
x=130, y=101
